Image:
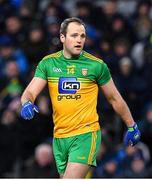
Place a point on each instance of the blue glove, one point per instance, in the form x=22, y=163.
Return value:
x=28, y=110
x=132, y=136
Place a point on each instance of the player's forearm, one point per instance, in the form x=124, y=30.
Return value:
x=121, y=108
x=27, y=96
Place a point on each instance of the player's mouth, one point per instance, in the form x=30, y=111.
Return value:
x=78, y=47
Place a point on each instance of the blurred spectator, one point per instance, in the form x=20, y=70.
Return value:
x=62, y=13
x=137, y=169
x=52, y=29
x=15, y=105
x=11, y=85
x=120, y=49
x=105, y=50
x=27, y=16
x=14, y=29
x=129, y=157
x=119, y=28
x=146, y=69
x=92, y=40
x=84, y=10
x=5, y=9
x=141, y=19
x=127, y=12
x=137, y=54
x=108, y=168
x=122, y=162
x=9, y=51
x=9, y=142
x=130, y=85
x=42, y=165
x=35, y=47
x=55, y=10
x=51, y=11
x=109, y=13
x=58, y=6
x=145, y=126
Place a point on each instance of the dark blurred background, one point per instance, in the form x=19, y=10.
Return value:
x=120, y=33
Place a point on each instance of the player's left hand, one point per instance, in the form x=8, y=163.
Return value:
x=132, y=136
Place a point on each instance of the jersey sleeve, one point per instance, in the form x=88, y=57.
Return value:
x=103, y=74
x=41, y=70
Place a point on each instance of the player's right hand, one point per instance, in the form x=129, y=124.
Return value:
x=28, y=110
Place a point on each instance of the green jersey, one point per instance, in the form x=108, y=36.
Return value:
x=73, y=87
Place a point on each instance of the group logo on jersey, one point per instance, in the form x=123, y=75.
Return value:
x=68, y=85
x=67, y=88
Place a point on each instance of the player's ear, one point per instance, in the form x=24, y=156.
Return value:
x=62, y=38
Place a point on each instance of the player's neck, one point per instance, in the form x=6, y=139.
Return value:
x=66, y=54
x=69, y=56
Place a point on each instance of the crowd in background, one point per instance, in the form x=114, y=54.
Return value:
x=120, y=33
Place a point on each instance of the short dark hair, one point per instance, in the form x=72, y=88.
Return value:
x=66, y=22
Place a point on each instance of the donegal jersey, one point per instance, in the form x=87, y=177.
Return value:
x=73, y=87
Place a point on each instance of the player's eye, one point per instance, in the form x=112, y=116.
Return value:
x=83, y=36
x=74, y=35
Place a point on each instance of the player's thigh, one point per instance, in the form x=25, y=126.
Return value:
x=85, y=148
x=76, y=170
x=60, y=154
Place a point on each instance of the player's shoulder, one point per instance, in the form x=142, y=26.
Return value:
x=92, y=58
x=53, y=55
